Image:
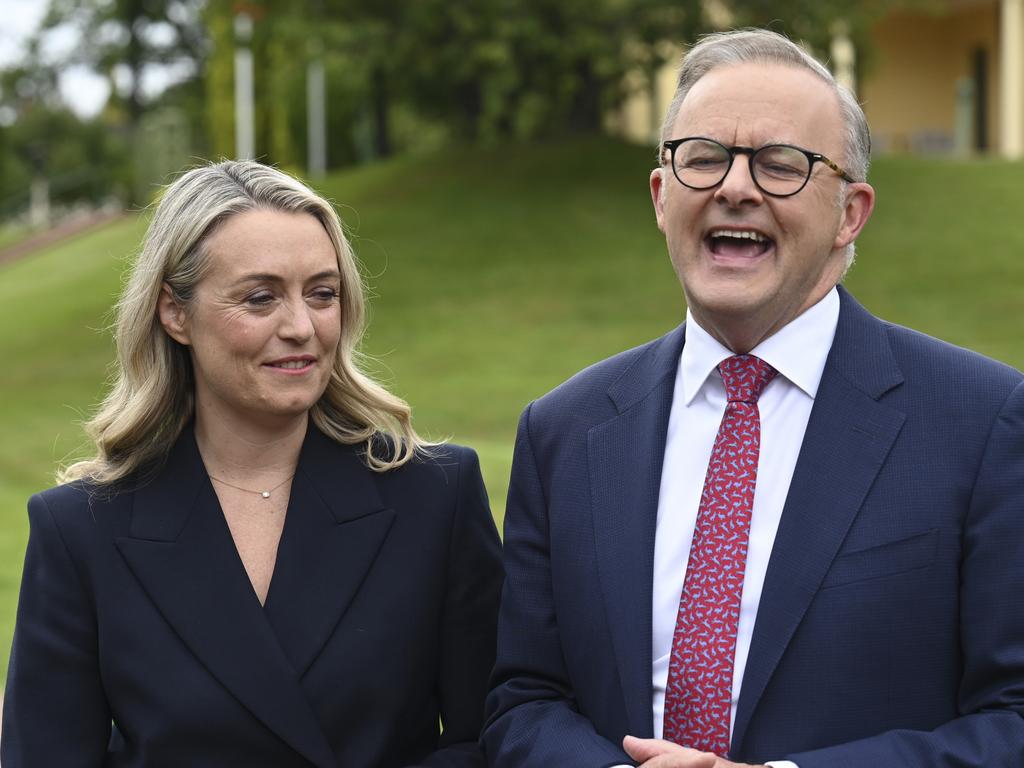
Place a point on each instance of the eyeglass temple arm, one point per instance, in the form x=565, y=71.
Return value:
x=836, y=168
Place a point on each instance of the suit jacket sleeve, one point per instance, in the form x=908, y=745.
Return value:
x=532, y=717
x=469, y=620
x=55, y=710
x=990, y=731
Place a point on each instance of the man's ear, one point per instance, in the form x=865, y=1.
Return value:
x=172, y=315
x=860, y=201
x=658, y=196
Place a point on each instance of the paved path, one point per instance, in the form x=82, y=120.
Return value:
x=73, y=225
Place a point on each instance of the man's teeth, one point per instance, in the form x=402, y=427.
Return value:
x=745, y=234
x=293, y=364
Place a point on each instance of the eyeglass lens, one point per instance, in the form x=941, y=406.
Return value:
x=777, y=169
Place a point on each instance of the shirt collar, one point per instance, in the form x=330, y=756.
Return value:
x=797, y=351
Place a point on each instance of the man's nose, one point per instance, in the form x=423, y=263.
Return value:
x=738, y=186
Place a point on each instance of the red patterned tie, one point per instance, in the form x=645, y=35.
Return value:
x=698, y=695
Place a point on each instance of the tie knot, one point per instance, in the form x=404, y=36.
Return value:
x=745, y=377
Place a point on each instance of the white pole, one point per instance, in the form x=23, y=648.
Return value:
x=844, y=56
x=244, y=134
x=39, y=202
x=316, y=117
x=1011, y=78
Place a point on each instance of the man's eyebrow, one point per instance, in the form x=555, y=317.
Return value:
x=268, y=277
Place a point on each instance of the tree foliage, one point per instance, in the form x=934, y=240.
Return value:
x=400, y=73
x=43, y=139
x=123, y=39
x=498, y=69
x=81, y=160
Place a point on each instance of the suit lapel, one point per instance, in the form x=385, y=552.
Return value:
x=180, y=549
x=335, y=527
x=848, y=437
x=625, y=458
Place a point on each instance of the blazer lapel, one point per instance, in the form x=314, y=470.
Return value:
x=848, y=437
x=625, y=458
x=335, y=527
x=180, y=549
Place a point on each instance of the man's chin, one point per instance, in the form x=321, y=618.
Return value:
x=728, y=301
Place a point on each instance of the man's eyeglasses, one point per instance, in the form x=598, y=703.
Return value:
x=779, y=170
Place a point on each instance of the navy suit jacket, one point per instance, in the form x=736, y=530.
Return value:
x=890, y=631
x=135, y=609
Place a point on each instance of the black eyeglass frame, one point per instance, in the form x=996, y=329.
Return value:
x=812, y=158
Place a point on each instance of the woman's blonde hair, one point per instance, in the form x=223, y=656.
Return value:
x=152, y=398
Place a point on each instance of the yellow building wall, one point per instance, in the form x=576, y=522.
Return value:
x=909, y=93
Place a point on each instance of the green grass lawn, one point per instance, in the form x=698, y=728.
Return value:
x=12, y=233
x=497, y=274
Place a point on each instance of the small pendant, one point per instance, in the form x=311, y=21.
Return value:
x=265, y=494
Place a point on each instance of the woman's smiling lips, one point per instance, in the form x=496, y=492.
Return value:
x=292, y=366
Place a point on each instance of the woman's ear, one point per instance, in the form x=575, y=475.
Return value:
x=172, y=315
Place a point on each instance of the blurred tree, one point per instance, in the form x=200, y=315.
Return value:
x=370, y=34
x=407, y=72
x=42, y=141
x=123, y=40
x=399, y=73
x=526, y=68
x=81, y=161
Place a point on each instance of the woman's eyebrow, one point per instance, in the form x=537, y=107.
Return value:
x=268, y=277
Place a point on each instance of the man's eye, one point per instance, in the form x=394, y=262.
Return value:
x=700, y=163
x=781, y=169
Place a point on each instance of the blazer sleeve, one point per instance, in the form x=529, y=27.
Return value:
x=468, y=624
x=990, y=730
x=55, y=711
x=531, y=714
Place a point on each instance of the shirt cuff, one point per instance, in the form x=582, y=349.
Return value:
x=781, y=764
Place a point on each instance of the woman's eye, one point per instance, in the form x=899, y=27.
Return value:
x=259, y=299
x=325, y=294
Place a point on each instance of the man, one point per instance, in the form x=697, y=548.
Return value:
x=786, y=532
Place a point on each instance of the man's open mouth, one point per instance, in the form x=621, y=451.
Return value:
x=738, y=243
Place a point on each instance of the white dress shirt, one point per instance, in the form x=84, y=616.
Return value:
x=798, y=352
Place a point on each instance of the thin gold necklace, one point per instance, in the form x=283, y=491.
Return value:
x=264, y=494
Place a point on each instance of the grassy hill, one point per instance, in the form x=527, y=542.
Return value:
x=496, y=274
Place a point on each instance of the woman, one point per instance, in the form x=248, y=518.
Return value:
x=263, y=565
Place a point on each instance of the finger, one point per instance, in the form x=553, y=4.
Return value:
x=644, y=749
x=688, y=758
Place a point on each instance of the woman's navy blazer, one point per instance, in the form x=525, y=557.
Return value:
x=140, y=641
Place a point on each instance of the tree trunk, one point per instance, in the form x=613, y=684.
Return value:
x=585, y=112
x=381, y=114
x=469, y=101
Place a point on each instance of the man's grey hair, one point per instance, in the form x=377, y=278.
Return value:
x=761, y=46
